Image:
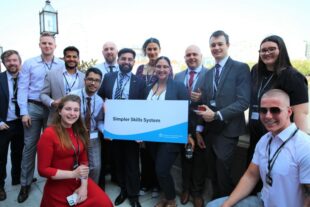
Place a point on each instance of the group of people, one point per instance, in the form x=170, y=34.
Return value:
x=50, y=108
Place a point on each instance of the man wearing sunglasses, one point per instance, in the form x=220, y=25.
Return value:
x=281, y=160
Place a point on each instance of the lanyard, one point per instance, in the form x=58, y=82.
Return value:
x=124, y=85
x=49, y=66
x=76, y=154
x=156, y=92
x=276, y=154
x=262, y=87
x=85, y=107
x=68, y=88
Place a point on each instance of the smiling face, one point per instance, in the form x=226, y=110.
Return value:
x=219, y=47
x=162, y=70
x=126, y=62
x=47, y=45
x=92, y=83
x=69, y=113
x=109, y=52
x=12, y=64
x=152, y=51
x=193, y=57
x=71, y=59
x=269, y=53
x=275, y=122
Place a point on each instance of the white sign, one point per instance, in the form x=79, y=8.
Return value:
x=144, y=120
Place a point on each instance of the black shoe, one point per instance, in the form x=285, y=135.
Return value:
x=120, y=198
x=135, y=203
x=2, y=194
x=23, y=194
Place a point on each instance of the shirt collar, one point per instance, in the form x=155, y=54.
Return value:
x=197, y=70
x=223, y=61
x=128, y=75
x=64, y=70
x=286, y=133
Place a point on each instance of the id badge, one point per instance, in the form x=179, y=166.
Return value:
x=213, y=103
x=93, y=134
x=75, y=165
x=255, y=115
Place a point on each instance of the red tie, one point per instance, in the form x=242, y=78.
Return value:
x=88, y=114
x=191, y=79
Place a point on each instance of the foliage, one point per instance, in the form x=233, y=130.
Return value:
x=84, y=65
x=302, y=66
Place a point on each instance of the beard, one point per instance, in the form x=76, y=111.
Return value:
x=125, y=68
x=69, y=66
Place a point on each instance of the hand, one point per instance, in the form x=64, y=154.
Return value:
x=4, y=126
x=190, y=141
x=81, y=172
x=207, y=115
x=200, y=142
x=82, y=194
x=55, y=103
x=196, y=96
x=26, y=119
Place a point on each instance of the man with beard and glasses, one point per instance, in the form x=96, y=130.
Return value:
x=62, y=81
x=11, y=127
x=109, y=52
x=34, y=113
x=125, y=85
x=92, y=115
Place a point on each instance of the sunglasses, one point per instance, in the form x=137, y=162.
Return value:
x=272, y=110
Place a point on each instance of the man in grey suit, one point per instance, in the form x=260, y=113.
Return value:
x=194, y=169
x=226, y=95
x=60, y=82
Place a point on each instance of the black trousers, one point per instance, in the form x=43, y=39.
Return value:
x=126, y=154
x=194, y=171
x=14, y=136
x=220, y=154
x=148, y=175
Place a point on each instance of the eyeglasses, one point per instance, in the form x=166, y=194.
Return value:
x=162, y=66
x=269, y=50
x=93, y=80
x=272, y=110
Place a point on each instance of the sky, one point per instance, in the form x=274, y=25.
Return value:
x=87, y=24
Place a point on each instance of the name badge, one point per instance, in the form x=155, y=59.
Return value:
x=213, y=103
x=93, y=134
x=255, y=116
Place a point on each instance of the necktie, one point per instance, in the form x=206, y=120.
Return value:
x=118, y=91
x=17, y=110
x=191, y=79
x=217, y=74
x=88, y=113
x=111, y=68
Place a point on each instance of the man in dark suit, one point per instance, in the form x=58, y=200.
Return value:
x=125, y=85
x=194, y=169
x=11, y=128
x=226, y=95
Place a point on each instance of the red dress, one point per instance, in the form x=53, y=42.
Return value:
x=51, y=156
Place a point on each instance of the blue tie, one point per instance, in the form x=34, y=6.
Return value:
x=118, y=91
x=217, y=74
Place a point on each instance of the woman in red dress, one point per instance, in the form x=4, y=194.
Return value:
x=62, y=159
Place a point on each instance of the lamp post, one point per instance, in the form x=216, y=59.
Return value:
x=1, y=51
x=48, y=19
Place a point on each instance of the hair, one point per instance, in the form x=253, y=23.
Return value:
x=279, y=94
x=126, y=50
x=169, y=63
x=71, y=48
x=78, y=127
x=219, y=33
x=147, y=42
x=93, y=70
x=47, y=34
x=8, y=53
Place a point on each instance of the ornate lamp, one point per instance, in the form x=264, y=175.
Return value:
x=48, y=19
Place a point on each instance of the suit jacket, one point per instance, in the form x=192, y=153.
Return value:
x=136, y=89
x=4, y=94
x=193, y=117
x=54, y=88
x=232, y=97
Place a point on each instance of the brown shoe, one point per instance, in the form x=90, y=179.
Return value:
x=23, y=194
x=161, y=203
x=184, y=197
x=2, y=194
x=198, y=201
x=170, y=203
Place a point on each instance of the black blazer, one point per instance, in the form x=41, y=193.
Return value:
x=4, y=94
x=136, y=89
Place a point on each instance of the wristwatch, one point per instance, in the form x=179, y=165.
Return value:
x=216, y=116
